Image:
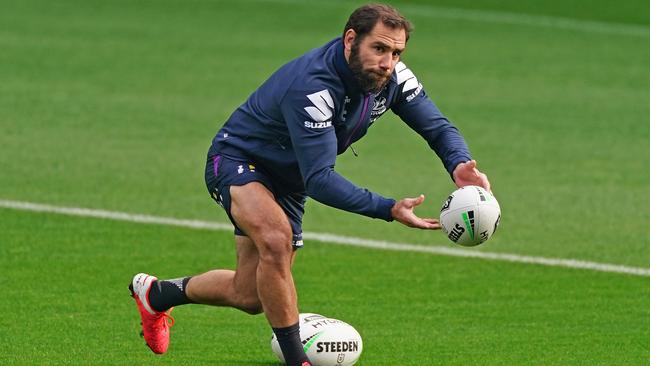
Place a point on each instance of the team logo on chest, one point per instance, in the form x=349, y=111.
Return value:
x=378, y=109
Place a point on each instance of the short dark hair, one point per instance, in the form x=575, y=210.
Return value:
x=364, y=19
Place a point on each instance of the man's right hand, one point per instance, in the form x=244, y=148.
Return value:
x=402, y=211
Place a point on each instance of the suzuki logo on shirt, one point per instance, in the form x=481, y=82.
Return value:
x=406, y=77
x=318, y=125
x=322, y=110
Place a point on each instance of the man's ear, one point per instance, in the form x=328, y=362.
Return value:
x=348, y=39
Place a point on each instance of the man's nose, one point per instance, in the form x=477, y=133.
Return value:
x=386, y=62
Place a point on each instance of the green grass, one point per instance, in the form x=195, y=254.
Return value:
x=68, y=302
x=112, y=105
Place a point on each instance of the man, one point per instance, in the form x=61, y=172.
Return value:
x=280, y=146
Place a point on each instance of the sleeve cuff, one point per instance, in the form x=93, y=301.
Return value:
x=384, y=209
x=454, y=163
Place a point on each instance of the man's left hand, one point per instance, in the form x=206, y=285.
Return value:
x=466, y=174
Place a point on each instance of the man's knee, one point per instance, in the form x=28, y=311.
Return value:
x=275, y=246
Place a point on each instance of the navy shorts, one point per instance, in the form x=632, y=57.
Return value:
x=221, y=172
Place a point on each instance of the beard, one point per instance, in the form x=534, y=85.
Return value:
x=370, y=81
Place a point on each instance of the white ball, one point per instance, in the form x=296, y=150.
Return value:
x=326, y=341
x=470, y=216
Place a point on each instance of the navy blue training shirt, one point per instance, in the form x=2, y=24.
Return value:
x=312, y=109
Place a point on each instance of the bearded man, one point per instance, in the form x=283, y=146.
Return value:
x=280, y=147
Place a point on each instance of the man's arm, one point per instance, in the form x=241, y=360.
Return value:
x=308, y=116
x=415, y=108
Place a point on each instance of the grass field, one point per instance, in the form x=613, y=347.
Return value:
x=112, y=105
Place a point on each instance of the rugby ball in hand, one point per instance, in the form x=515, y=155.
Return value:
x=326, y=341
x=470, y=216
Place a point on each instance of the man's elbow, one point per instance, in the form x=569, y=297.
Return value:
x=317, y=185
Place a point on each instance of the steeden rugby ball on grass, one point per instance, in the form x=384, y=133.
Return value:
x=327, y=341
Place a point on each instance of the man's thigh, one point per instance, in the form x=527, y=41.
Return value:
x=225, y=176
x=255, y=211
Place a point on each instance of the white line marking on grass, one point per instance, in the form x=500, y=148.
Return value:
x=332, y=239
x=114, y=215
x=499, y=17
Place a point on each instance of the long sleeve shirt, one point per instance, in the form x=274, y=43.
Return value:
x=312, y=109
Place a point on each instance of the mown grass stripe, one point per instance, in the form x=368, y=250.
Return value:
x=501, y=17
x=333, y=239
